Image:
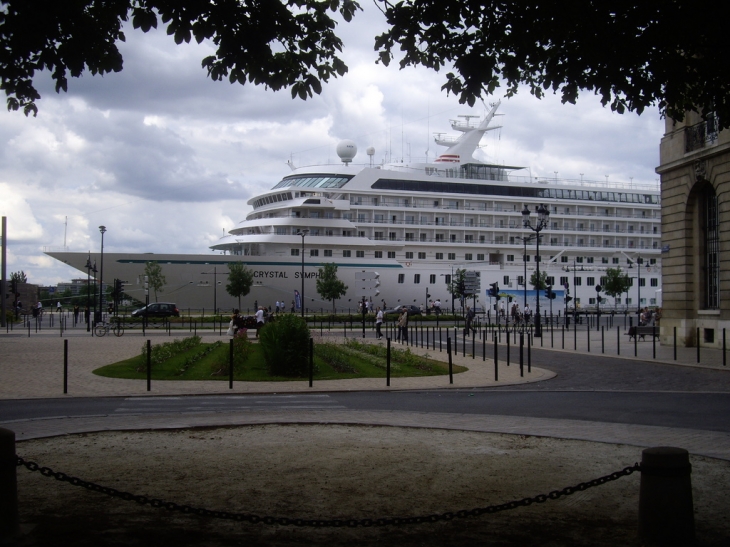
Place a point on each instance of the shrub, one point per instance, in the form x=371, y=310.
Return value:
x=285, y=346
x=162, y=352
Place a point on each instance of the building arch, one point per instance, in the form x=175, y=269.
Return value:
x=703, y=238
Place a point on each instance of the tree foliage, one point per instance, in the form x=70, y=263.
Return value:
x=539, y=284
x=329, y=287
x=276, y=43
x=155, y=279
x=19, y=277
x=617, y=283
x=631, y=54
x=240, y=279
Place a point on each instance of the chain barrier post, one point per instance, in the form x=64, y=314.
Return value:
x=675, y=343
x=666, y=515
x=311, y=361
x=387, y=362
x=230, y=364
x=9, y=524
x=451, y=369
x=496, y=356
x=65, y=366
x=149, y=365
x=698, y=344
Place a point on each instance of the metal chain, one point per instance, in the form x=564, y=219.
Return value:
x=332, y=523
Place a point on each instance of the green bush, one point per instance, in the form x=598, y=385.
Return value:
x=285, y=345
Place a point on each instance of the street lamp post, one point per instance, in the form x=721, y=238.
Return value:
x=102, y=229
x=524, y=261
x=302, y=233
x=543, y=214
x=639, y=262
x=89, y=267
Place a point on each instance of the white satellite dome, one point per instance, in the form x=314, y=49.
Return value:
x=346, y=150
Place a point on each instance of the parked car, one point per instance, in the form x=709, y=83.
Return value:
x=412, y=310
x=158, y=309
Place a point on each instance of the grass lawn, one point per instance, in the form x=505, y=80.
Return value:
x=331, y=362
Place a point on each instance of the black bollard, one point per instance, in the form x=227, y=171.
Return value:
x=230, y=364
x=666, y=515
x=387, y=362
x=9, y=525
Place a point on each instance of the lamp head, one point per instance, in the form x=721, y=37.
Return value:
x=102, y=229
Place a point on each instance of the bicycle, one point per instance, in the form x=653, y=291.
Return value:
x=103, y=328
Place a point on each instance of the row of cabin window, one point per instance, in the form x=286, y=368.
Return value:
x=590, y=281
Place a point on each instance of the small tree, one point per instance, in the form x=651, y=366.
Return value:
x=155, y=279
x=329, y=287
x=285, y=346
x=538, y=284
x=457, y=284
x=616, y=284
x=20, y=277
x=240, y=279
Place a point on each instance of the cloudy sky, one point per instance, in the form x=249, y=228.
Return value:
x=166, y=159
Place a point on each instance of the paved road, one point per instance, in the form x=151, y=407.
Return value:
x=699, y=411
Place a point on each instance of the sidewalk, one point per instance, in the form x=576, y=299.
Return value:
x=33, y=368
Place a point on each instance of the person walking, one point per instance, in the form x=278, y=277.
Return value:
x=403, y=326
x=259, y=320
x=468, y=328
x=76, y=314
x=378, y=323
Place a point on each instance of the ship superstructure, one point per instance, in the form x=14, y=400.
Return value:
x=417, y=223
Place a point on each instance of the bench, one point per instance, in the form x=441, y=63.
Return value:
x=641, y=332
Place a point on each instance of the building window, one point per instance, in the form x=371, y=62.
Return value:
x=590, y=281
x=604, y=260
x=550, y=280
x=563, y=281
x=452, y=256
x=480, y=257
x=447, y=278
x=432, y=279
x=710, y=253
x=505, y=280
x=295, y=252
x=409, y=255
x=379, y=235
x=313, y=252
x=391, y=254
x=401, y=278
x=416, y=278
x=421, y=256
x=578, y=281
x=642, y=282
x=654, y=282
x=614, y=260
x=328, y=252
x=360, y=254
x=346, y=254
x=510, y=258
x=467, y=256
x=439, y=256
x=378, y=254
x=391, y=236
x=563, y=259
x=590, y=259
x=579, y=259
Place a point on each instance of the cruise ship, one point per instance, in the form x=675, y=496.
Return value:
x=400, y=232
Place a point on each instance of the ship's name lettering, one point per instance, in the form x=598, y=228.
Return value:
x=259, y=273
x=307, y=275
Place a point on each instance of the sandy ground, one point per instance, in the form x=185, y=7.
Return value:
x=337, y=471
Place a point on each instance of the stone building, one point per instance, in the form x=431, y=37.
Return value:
x=695, y=179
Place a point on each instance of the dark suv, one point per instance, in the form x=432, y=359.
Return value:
x=411, y=309
x=158, y=309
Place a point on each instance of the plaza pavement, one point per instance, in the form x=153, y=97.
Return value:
x=32, y=367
